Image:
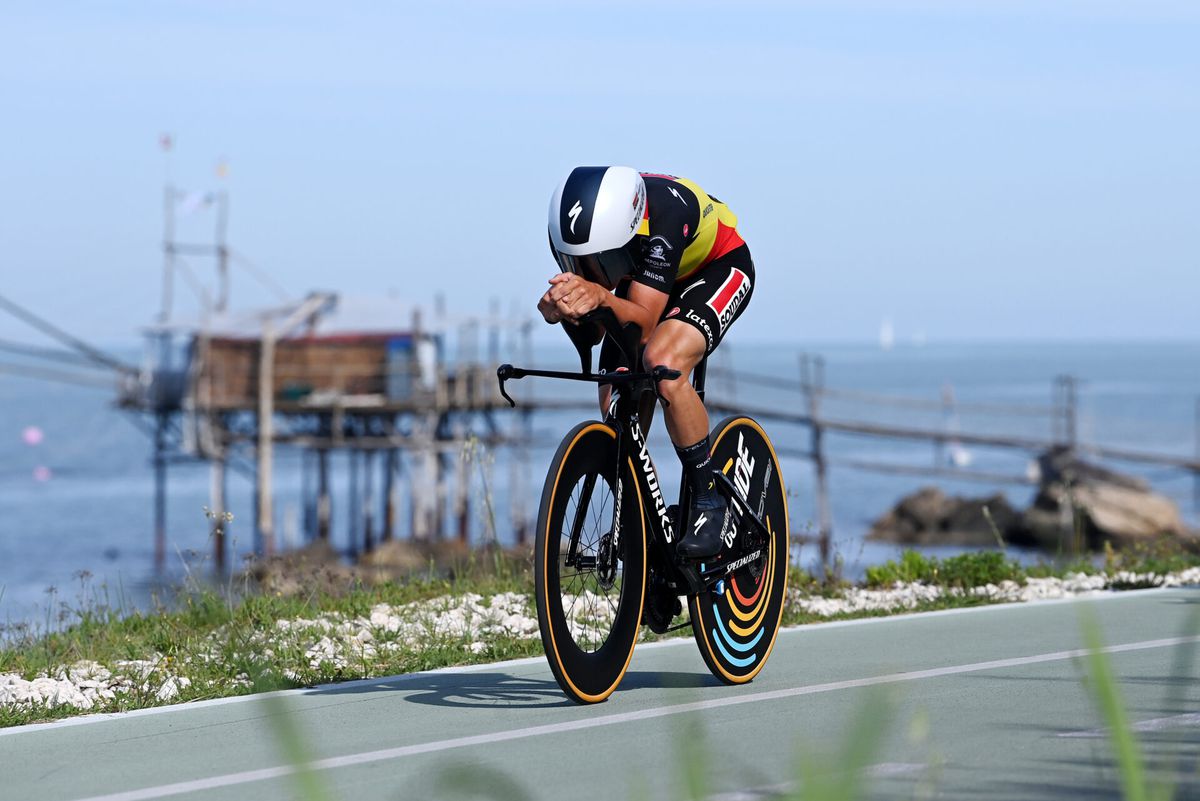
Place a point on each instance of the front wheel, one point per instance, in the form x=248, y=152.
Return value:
x=590, y=564
x=736, y=628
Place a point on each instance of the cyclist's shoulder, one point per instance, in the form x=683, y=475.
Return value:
x=663, y=184
x=672, y=204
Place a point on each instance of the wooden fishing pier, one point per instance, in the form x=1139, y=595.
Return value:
x=387, y=399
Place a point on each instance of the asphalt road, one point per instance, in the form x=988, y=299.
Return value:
x=986, y=703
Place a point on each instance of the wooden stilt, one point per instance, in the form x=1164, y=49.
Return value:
x=368, y=502
x=160, y=492
x=389, y=495
x=218, y=522
x=355, y=506
x=324, y=509
x=812, y=379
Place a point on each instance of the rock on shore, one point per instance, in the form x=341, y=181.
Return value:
x=930, y=517
x=1099, y=505
x=1076, y=504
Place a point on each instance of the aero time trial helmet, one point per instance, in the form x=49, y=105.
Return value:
x=594, y=213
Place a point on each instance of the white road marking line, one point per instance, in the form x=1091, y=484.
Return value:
x=755, y=793
x=366, y=757
x=889, y=769
x=1154, y=724
x=901, y=617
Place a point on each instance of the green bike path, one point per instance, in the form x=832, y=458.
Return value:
x=985, y=703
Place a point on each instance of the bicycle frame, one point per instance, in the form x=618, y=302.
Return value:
x=624, y=415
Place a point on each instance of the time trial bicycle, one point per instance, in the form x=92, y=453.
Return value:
x=605, y=561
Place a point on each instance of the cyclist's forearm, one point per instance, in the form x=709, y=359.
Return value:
x=629, y=312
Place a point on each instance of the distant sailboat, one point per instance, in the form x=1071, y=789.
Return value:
x=887, y=335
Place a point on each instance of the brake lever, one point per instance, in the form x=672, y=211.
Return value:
x=505, y=372
x=663, y=373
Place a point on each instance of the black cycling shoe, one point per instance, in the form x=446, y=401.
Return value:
x=705, y=538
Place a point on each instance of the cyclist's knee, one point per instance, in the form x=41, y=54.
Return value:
x=670, y=353
x=658, y=354
x=674, y=360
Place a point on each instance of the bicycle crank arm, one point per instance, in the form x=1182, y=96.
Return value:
x=713, y=575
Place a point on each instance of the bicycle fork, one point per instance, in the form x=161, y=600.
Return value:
x=585, y=499
x=604, y=562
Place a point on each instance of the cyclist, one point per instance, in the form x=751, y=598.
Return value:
x=662, y=253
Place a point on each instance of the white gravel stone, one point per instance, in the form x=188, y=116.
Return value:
x=85, y=684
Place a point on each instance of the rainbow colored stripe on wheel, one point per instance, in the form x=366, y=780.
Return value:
x=752, y=610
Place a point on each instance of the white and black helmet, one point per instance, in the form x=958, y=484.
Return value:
x=594, y=213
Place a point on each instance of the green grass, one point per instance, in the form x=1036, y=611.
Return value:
x=217, y=637
x=973, y=569
x=964, y=571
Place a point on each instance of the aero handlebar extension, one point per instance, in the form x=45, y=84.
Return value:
x=626, y=337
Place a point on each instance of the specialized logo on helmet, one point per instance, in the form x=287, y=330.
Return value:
x=678, y=196
x=639, y=207
x=574, y=213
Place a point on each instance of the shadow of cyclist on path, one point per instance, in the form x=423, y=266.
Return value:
x=498, y=690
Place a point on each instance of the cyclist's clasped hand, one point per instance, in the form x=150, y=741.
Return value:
x=549, y=309
x=570, y=297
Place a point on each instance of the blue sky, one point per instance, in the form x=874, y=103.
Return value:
x=992, y=170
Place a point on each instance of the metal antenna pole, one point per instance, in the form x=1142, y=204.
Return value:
x=168, y=286
x=222, y=253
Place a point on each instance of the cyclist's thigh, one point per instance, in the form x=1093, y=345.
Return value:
x=713, y=299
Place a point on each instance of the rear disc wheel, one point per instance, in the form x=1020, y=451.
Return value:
x=736, y=628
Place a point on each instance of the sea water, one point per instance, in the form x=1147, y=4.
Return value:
x=76, y=503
